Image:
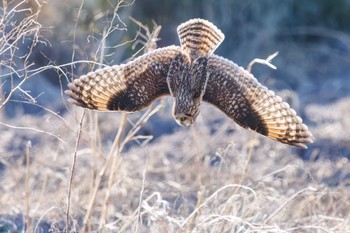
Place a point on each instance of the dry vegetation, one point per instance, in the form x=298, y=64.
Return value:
x=99, y=172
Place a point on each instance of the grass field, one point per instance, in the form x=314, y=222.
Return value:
x=213, y=177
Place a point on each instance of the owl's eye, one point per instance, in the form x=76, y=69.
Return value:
x=183, y=118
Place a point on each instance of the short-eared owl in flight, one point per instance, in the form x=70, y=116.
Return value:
x=191, y=73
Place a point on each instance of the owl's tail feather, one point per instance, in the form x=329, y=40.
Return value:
x=199, y=37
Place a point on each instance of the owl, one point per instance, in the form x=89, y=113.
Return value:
x=191, y=73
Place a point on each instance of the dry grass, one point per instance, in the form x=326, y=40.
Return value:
x=177, y=183
x=98, y=172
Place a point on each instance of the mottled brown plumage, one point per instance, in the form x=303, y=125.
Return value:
x=128, y=87
x=199, y=37
x=242, y=98
x=191, y=73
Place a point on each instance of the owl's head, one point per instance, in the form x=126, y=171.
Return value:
x=187, y=82
x=186, y=110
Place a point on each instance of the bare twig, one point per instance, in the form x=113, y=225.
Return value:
x=113, y=26
x=144, y=172
x=28, y=146
x=266, y=61
x=47, y=110
x=149, y=39
x=72, y=170
x=102, y=172
x=33, y=129
x=11, y=34
x=137, y=126
x=114, y=152
x=74, y=34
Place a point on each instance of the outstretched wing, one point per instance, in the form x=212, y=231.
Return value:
x=127, y=87
x=242, y=98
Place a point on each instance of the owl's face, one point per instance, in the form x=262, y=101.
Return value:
x=186, y=109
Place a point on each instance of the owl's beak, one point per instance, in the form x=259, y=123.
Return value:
x=184, y=120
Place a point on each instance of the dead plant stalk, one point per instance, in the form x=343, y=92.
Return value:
x=28, y=146
x=72, y=170
x=115, y=153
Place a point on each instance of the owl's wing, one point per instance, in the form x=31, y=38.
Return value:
x=127, y=87
x=242, y=98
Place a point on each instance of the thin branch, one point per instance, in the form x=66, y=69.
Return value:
x=114, y=152
x=266, y=61
x=74, y=34
x=28, y=146
x=139, y=221
x=33, y=129
x=46, y=109
x=102, y=172
x=143, y=119
x=72, y=170
x=112, y=28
